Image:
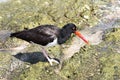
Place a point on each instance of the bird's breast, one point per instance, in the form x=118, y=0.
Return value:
x=55, y=42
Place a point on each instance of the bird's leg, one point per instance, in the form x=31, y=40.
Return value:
x=50, y=60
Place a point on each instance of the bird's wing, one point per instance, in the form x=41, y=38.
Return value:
x=38, y=35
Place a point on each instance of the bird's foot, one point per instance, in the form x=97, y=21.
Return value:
x=53, y=60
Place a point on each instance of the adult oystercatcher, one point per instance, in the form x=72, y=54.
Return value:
x=48, y=35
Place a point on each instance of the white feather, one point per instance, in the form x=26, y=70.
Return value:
x=53, y=43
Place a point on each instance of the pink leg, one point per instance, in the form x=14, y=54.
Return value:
x=50, y=60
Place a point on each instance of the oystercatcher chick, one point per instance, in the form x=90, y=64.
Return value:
x=48, y=35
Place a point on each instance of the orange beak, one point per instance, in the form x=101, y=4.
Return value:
x=81, y=36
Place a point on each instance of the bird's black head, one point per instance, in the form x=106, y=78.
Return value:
x=66, y=32
x=70, y=27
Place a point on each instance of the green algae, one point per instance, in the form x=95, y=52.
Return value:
x=10, y=67
x=32, y=13
x=110, y=60
x=99, y=62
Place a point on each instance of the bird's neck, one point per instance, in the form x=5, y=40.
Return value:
x=64, y=35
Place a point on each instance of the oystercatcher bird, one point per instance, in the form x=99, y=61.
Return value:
x=48, y=35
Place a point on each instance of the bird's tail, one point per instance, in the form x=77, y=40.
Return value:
x=4, y=35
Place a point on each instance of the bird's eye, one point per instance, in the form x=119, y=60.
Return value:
x=74, y=28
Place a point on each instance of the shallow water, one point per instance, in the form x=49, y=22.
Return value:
x=3, y=0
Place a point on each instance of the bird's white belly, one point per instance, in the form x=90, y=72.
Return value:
x=53, y=43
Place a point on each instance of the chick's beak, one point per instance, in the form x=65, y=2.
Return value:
x=81, y=36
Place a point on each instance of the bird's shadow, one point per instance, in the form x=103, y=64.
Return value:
x=33, y=57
